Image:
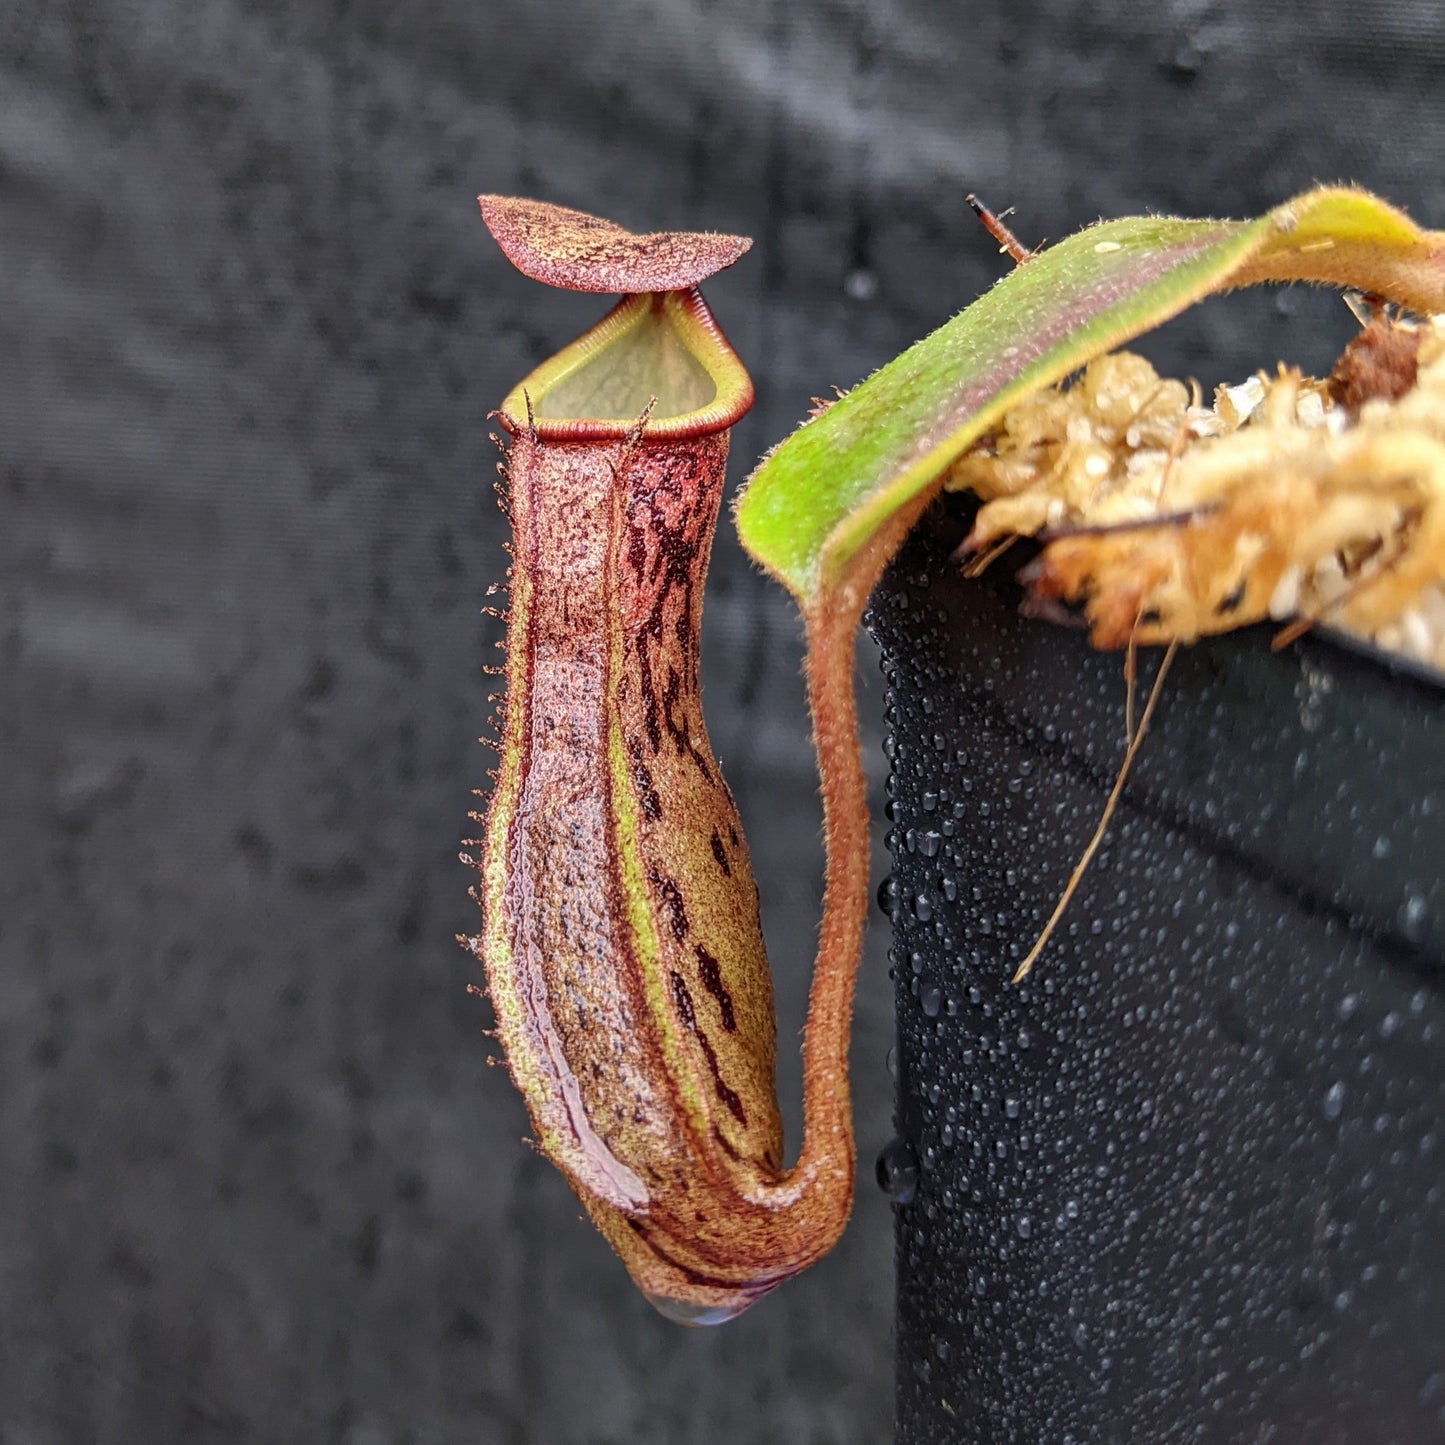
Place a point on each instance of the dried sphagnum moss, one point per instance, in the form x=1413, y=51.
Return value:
x=1289, y=497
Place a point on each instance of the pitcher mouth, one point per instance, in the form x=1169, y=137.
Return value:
x=657, y=350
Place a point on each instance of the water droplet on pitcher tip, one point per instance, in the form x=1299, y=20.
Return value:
x=683, y=1312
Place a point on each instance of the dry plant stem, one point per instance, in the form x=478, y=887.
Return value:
x=976, y=566
x=1115, y=794
x=1131, y=676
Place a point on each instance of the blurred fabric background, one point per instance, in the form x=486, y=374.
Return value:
x=256, y=1180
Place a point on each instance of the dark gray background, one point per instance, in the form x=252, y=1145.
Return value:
x=256, y=1182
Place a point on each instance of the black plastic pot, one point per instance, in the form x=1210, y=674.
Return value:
x=1184, y=1183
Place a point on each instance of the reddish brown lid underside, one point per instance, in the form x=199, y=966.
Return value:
x=578, y=252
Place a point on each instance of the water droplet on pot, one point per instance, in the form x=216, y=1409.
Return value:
x=897, y=1171
x=887, y=894
x=1414, y=912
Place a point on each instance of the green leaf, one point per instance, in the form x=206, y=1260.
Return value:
x=826, y=509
